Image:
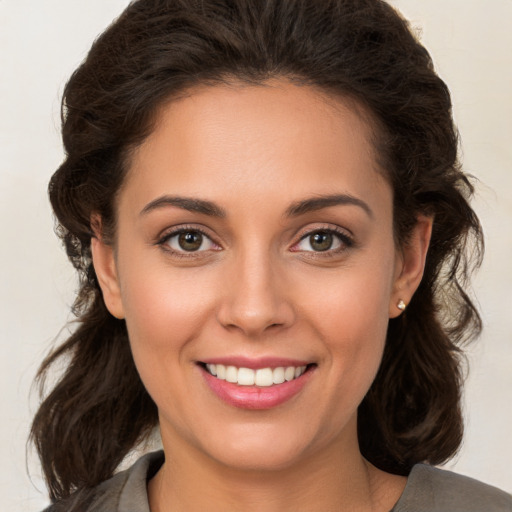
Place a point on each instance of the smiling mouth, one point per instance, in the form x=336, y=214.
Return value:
x=262, y=377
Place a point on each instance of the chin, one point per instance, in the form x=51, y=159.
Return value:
x=254, y=457
x=262, y=447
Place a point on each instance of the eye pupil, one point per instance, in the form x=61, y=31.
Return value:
x=190, y=240
x=321, y=241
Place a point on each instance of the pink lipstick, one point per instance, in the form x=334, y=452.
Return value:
x=261, y=383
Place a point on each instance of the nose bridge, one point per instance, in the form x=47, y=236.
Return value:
x=255, y=298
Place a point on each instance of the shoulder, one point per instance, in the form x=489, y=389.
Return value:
x=126, y=491
x=431, y=489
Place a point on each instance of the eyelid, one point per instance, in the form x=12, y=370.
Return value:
x=343, y=234
x=164, y=237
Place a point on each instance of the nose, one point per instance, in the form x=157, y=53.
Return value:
x=255, y=298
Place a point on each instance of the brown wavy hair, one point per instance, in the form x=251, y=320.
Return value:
x=360, y=49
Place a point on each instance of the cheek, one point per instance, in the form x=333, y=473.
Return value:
x=165, y=312
x=355, y=334
x=350, y=302
x=164, y=309
x=349, y=313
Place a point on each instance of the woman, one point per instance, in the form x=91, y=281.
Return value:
x=265, y=206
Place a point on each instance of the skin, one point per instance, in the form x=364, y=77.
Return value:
x=259, y=288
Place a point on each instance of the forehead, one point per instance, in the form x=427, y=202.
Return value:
x=274, y=140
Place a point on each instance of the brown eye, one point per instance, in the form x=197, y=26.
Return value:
x=190, y=240
x=321, y=241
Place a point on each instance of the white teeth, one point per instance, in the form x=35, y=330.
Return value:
x=262, y=377
x=289, y=373
x=246, y=377
x=278, y=375
x=232, y=374
x=299, y=371
x=221, y=372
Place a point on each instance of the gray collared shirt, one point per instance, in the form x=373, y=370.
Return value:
x=428, y=489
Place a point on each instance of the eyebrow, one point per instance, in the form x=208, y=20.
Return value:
x=296, y=209
x=319, y=202
x=185, y=203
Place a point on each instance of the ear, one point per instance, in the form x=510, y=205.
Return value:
x=105, y=267
x=410, y=265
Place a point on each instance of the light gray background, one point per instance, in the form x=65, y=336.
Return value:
x=42, y=41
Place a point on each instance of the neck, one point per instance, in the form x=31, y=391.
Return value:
x=338, y=478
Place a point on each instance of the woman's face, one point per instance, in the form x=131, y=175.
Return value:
x=255, y=231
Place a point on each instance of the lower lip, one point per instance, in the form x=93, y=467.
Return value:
x=254, y=397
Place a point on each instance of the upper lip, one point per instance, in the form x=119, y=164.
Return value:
x=256, y=363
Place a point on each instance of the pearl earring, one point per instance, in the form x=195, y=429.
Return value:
x=401, y=305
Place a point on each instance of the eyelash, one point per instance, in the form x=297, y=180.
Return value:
x=163, y=241
x=344, y=238
x=346, y=241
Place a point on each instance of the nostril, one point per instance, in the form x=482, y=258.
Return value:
x=255, y=313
